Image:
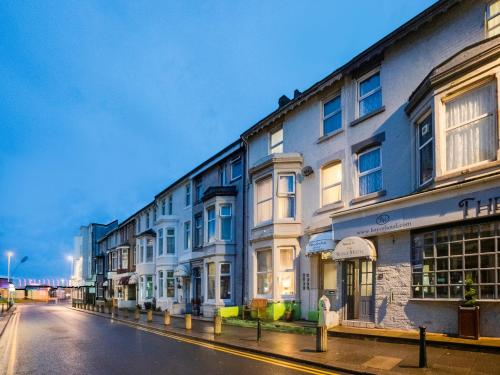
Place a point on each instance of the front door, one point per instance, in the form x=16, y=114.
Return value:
x=359, y=277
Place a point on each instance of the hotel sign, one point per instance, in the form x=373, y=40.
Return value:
x=354, y=247
x=439, y=210
x=320, y=242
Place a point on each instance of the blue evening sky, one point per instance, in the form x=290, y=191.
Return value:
x=104, y=103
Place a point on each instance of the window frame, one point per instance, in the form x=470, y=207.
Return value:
x=283, y=270
x=422, y=119
x=288, y=194
x=221, y=218
x=187, y=235
x=160, y=284
x=198, y=191
x=160, y=242
x=213, y=221
x=198, y=231
x=230, y=281
x=170, y=205
x=360, y=98
x=267, y=272
x=488, y=17
x=257, y=202
x=173, y=236
x=324, y=102
x=187, y=195
x=214, y=276
x=373, y=170
x=167, y=288
x=278, y=144
x=323, y=187
x=233, y=161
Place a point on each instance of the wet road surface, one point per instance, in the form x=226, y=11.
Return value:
x=52, y=339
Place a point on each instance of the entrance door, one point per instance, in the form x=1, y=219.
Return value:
x=359, y=276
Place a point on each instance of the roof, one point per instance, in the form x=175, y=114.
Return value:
x=358, y=61
x=148, y=232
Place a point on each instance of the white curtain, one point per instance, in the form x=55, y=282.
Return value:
x=470, y=128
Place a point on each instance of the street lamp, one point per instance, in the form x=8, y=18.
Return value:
x=9, y=255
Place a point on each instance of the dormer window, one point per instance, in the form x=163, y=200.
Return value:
x=493, y=18
x=470, y=129
x=276, y=141
x=369, y=94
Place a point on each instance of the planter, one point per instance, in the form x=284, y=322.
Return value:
x=468, y=322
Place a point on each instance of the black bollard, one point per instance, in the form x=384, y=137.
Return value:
x=422, y=358
x=259, y=329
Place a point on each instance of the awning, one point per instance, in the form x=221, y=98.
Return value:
x=133, y=280
x=182, y=270
x=319, y=243
x=354, y=247
x=124, y=280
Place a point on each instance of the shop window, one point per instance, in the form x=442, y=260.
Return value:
x=160, y=241
x=226, y=220
x=369, y=94
x=470, y=128
x=276, y=141
x=170, y=284
x=370, y=171
x=287, y=273
x=211, y=281
x=286, y=196
x=225, y=281
x=493, y=18
x=264, y=272
x=149, y=251
x=264, y=200
x=443, y=259
x=210, y=224
x=332, y=115
x=170, y=240
x=425, y=150
x=160, y=284
x=331, y=184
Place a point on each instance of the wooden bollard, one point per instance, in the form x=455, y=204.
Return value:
x=137, y=314
x=188, y=321
x=149, y=315
x=217, y=325
x=321, y=339
x=166, y=317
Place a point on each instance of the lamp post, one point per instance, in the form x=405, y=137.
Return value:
x=9, y=255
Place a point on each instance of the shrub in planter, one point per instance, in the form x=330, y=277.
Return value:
x=468, y=312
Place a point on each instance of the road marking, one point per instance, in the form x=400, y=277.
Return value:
x=255, y=357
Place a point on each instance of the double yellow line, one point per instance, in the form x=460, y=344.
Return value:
x=255, y=357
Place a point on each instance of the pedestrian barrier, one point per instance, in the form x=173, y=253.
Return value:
x=321, y=338
x=166, y=318
x=188, y=321
x=149, y=315
x=217, y=324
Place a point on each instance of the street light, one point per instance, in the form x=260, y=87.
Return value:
x=9, y=255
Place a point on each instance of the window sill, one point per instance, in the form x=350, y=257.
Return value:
x=329, y=207
x=367, y=116
x=368, y=197
x=235, y=179
x=466, y=171
x=326, y=137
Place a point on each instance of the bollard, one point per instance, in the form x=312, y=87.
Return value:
x=321, y=338
x=217, y=325
x=188, y=321
x=102, y=309
x=137, y=314
x=149, y=315
x=115, y=311
x=92, y=307
x=166, y=318
x=109, y=309
x=422, y=357
x=259, y=330
x=125, y=313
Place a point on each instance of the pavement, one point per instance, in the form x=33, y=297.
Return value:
x=344, y=354
x=56, y=339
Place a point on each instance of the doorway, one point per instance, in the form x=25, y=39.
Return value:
x=359, y=277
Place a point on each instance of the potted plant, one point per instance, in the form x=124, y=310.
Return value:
x=289, y=311
x=468, y=312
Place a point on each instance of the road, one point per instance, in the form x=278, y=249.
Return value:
x=53, y=339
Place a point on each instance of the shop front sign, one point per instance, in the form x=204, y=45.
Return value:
x=354, y=247
x=320, y=242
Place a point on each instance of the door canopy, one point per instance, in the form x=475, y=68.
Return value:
x=354, y=247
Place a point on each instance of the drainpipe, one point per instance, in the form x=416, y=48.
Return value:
x=245, y=229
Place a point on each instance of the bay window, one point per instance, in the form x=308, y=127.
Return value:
x=369, y=94
x=170, y=284
x=332, y=115
x=264, y=272
x=210, y=224
x=114, y=260
x=160, y=242
x=264, y=200
x=425, y=141
x=141, y=253
x=287, y=273
x=149, y=250
x=331, y=183
x=149, y=286
x=160, y=284
x=170, y=241
x=124, y=259
x=226, y=219
x=286, y=196
x=493, y=18
x=225, y=281
x=211, y=281
x=142, y=289
x=370, y=171
x=276, y=141
x=470, y=129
